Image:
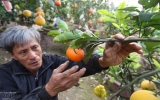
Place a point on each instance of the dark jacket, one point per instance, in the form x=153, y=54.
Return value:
x=18, y=83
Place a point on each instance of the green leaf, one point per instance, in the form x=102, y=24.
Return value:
x=74, y=45
x=53, y=33
x=108, y=19
x=150, y=46
x=81, y=42
x=117, y=26
x=156, y=8
x=148, y=32
x=145, y=16
x=112, y=80
x=67, y=36
x=156, y=17
x=105, y=12
x=89, y=51
x=62, y=25
x=130, y=9
x=156, y=63
x=121, y=15
x=78, y=32
x=148, y=3
x=101, y=48
x=155, y=20
x=78, y=43
x=86, y=35
x=122, y=5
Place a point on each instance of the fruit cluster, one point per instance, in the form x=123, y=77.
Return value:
x=39, y=16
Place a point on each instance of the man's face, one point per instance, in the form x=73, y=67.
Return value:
x=29, y=55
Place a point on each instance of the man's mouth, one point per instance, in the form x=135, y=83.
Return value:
x=34, y=63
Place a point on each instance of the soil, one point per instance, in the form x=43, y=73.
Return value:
x=82, y=91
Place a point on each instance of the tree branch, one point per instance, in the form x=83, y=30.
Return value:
x=134, y=81
x=130, y=40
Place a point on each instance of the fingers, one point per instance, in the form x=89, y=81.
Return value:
x=74, y=78
x=78, y=74
x=134, y=47
x=68, y=72
x=61, y=68
x=74, y=73
x=119, y=36
x=114, y=48
x=131, y=37
x=129, y=46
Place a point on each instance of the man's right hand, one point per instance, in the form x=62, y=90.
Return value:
x=62, y=80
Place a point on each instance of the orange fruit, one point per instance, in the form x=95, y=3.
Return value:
x=74, y=5
x=75, y=55
x=40, y=13
x=39, y=20
x=154, y=56
x=27, y=13
x=89, y=23
x=57, y=2
x=100, y=20
x=90, y=10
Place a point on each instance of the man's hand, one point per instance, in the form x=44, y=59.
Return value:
x=116, y=52
x=61, y=81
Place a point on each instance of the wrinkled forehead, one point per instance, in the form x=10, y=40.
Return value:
x=27, y=41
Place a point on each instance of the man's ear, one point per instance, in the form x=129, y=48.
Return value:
x=12, y=55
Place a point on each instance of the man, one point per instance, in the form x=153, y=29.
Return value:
x=31, y=75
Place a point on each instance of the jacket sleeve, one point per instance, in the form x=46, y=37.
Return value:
x=92, y=65
x=39, y=94
x=9, y=89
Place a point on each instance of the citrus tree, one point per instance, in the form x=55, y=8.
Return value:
x=129, y=21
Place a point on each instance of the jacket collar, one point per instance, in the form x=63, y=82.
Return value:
x=20, y=69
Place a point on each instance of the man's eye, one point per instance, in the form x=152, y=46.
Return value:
x=22, y=52
x=35, y=47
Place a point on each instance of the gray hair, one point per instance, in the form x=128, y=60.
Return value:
x=17, y=35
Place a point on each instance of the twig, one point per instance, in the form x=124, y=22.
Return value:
x=135, y=80
x=130, y=40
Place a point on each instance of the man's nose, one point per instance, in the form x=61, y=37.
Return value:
x=32, y=55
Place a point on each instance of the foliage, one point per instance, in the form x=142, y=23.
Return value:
x=128, y=20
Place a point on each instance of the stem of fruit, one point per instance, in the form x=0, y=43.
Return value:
x=134, y=81
x=130, y=40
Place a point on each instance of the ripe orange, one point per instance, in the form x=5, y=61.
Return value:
x=90, y=10
x=100, y=20
x=154, y=56
x=74, y=5
x=75, y=55
x=57, y=2
x=89, y=23
x=40, y=13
